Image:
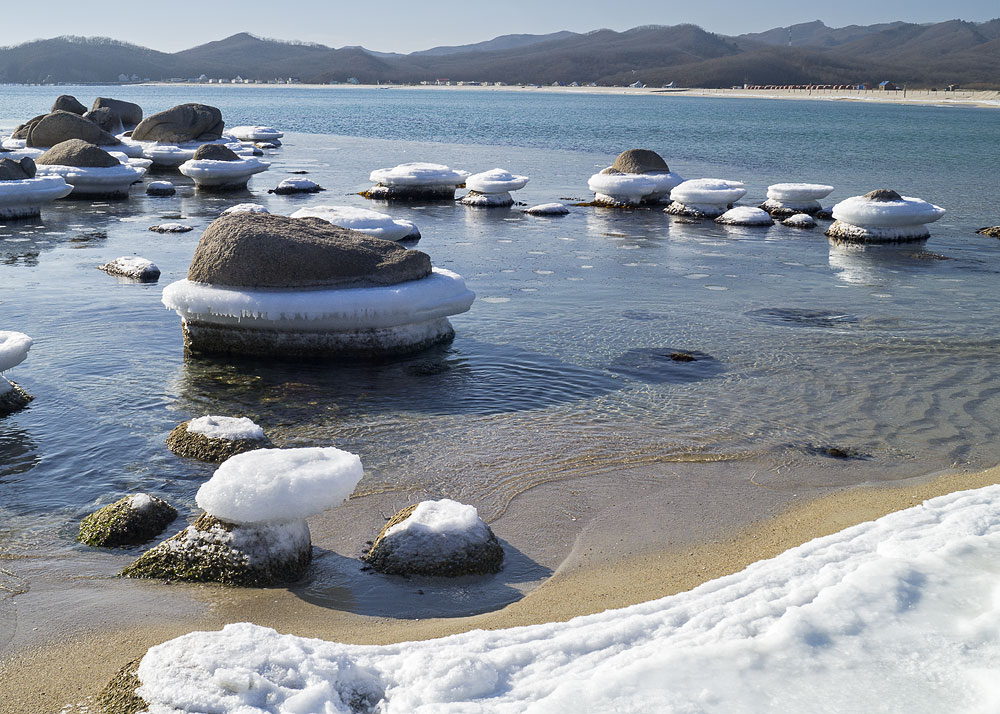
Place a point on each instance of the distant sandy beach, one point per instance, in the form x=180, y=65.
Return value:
x=66, y=675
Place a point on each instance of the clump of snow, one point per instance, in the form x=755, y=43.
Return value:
x=14, y=348
x=419, y=174
x=495, y=181
x=800, y=220
x=246, y=208
x=896, y=614
x=367, y=221
x=458, y=522
x=798, y=191
x=140, y=501
x=267, y=485
x=745, y=216
x=860, y=211
x=547, y=209
x=255, y=133
x=128, y=266
x=224, y=427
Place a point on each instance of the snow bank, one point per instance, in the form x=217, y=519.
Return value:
x=373, y=223
x=267, y=485
x=14, y=348
x=745, y=216
x=495, y=181
x=246, y=208
x=547, y=209
x=223, y=427
x=899, y=614
x=860, y=211
x=798, y=191
x=255, y=133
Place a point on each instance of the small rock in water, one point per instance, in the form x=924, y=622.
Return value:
x=160, y=188
x=547, y=209
x=267, y=144
x=683, y=357
x=991, y=231
x=296, y=185
x=171, y=228
x=800, y=220
x=132, y=267
x=299, y=171
x=216, y=438
x=128, y=521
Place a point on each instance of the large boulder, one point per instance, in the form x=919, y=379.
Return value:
x=76, y=152
x=21, y=131
x=128, y=521
x=215, y=152
x=129, y=113
x=261, y=250
x=68, y=103
x=58, y=127
x=639, y=161
x=185, y=122
x=11, y=170
x=106, y=119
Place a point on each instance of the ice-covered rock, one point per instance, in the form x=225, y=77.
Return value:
x=800, y=220
x=24, y=198
x=160, y=188
x=293, y=287
x=492, y=188
x=547, y=209
x=637, y=176
x=216, y=438
x=295, y=185
x=379, y=225
x=89, y=169
x=171, y=228
x=246, y=208
x=704, y=198
x=883, y=216
x=255, y=133
x=436, y=538
x=218, y=168
x=132, y=267
x=14, y=348
x=184, y=122
x=786, y=199
x=745, y=216
x=128, y=521
x=416, y=181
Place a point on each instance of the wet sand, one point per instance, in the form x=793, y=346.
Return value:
x=70, y=668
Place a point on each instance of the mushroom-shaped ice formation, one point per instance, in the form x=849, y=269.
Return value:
x=492, y=188
x=253, y=532
x=216, y=438
x=547, y=209
x=436, y=538
x=786, y=199
x=301, y=287
x=217, y=168
x=128, y=521
x=704, y=198
x=89, y=169
x=373, y=223
x=160, y=188
x=132, y=267
x=800, y=220
x=416, y=181
x=290, y=186
x=255, y=133
x=14, y=348
x=22, y=192
x=637, y=176
x=246, y=208
x=745, y=216
x=883, y=216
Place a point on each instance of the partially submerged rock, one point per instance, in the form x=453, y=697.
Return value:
x=61, y=126
x=215, y=152
x=128, y=521
x=800, y=220
x=705, y=198
x=637, y=177
x=787, y=199
x=219, y=168
x=547, y=209
x=132, y=267
x=291, y=186
x=184, y=122
x=68, y=103
x=443, y=538
x=745, y=216
x=992, y=231
x=492, y=188
x=216, y=438
x=416, y=181
x=90, y=170
x=160, y=188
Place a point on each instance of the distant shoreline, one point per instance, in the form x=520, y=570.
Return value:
x=924, y=97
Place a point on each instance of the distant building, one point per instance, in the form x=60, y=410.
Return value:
x=887, y=86
x=637, y=85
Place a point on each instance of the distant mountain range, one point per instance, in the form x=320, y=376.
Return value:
x=933, y=55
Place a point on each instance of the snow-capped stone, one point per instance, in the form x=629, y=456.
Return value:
x=800, y=220
x=296, y=185
x=495, y=181
x=637, y=176
x=128, y=521
x=416, y=181
x=547, y=209
x=745, y=216
x=379, y=225
x=24, y=198
x=883, y=216
x=171, y=228
x=160, y=188
x=705, y=198
x=14, y=348
x=89, y=169
x=246, y=208
x=132, y=267
x=786, y=199
x=222, y=175
x=216, y=438
x=255, y=133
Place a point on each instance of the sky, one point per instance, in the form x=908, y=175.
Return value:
x=405, y=25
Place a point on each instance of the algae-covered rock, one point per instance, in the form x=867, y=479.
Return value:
x=991, y=231
x=118, y=696
x=128, y=521
x=442, y=538
x=12, y=397
x=212, y=550
x=206, y=446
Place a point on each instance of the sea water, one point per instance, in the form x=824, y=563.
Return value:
x=559, y=379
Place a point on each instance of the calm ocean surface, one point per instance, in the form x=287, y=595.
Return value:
x=557, y=373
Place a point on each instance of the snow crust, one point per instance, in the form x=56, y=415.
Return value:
x=708, y=192
x=444, y=517
x=14, y=348
x=547, y=209
x=419, y=174
x=131, y=266
x=255, y=133
x=798, y=191
x=495, y=181
x=159, y=185
x=745, y=216
x=633, y=188
x=224, y=427
x=209, y=172
x=487, y=200
x=440, y=294
x=276, y=485
x=246, y=208
x=140, y=501
x=860, y=211
x=899, y=614
x=33, y=191
x=367, y=221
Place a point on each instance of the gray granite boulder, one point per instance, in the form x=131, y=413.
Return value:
x=185, y=122
x=262, y=250
x=106, y=119
x=60, y=126
x=129, y=113
x=21, y=131
x=75, y=152
x=128, y=521
x=11, y=170
x=68, y=103
x=215, y=152
x=638, y=161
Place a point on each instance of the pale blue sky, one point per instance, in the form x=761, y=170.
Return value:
x=405, y=26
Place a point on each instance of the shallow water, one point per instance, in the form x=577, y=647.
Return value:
x=561, y=372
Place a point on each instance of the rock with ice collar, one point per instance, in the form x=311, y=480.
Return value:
x=416, y=181
x=128, y=521
x=14, y=348
x=215, y=167
x=704, y=198
x=882, y=216
x=800, y=220
x=444, y=538
x=60, y=126
x=79, y=153
x=786, y=199
x=91, y=170
x=160, y=188
x=216, y=438
x=291, y=186
x=184, y=122
x=492, y=188
x=23, y=198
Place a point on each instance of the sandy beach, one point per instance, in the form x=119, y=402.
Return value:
x=66, y=673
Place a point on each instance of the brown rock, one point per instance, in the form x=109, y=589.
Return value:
x=11, y=170
x=261, y=250
x=639, y=161
x=215, y=152
x=185, y=122
x=57, y=127
x=129, y=113
x=68, y=103
x=883, y=195
x=76, y=152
